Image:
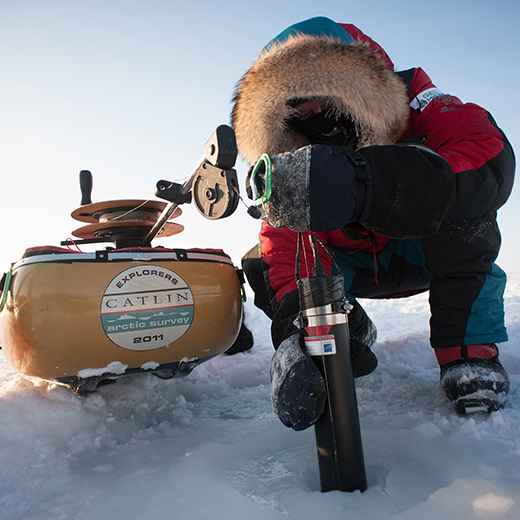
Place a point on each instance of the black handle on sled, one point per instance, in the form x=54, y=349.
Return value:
x=323, y=315
x=85, y=185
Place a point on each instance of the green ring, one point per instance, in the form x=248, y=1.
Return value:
x=263, y=160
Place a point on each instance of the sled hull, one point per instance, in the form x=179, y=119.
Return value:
x=78, y=316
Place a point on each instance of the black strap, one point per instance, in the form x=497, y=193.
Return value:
x=363, y=179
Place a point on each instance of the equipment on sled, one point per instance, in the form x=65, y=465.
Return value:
x=79, y=318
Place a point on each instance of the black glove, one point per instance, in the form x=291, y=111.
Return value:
x=298, y=392
x=400, y=191
x=317, y=188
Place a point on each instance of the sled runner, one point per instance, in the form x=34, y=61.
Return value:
x=79, y=318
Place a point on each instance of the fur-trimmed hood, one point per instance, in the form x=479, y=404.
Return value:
x=357, y=80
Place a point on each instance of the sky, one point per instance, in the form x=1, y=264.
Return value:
x=132, y=90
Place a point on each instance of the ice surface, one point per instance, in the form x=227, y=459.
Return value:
x=209, y=446
x=116, y=367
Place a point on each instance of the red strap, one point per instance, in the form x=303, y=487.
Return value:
x=451, y=354
x=487, y=351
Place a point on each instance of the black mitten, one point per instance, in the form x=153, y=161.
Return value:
x=298, y=392
x=400, y=191
x=316, y=188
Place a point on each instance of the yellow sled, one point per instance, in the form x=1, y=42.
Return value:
x=79, y=318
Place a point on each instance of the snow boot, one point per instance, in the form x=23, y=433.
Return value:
x=362, y=333
x=361, y=327
x=243, y=342
x=364, y=361
x=473, y=378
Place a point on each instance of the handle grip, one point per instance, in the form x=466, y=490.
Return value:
x=85, y=185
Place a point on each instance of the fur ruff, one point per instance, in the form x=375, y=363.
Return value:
x=357, y=81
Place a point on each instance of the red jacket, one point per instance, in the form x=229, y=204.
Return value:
x=465, y=135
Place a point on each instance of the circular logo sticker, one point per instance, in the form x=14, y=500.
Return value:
x=146, y=307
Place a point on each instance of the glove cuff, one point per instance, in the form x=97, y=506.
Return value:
x=289, y=205
x=319, y=188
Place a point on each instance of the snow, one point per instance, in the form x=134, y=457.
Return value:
x=116, y=367
x=208, y=446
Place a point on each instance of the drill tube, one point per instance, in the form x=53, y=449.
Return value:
x=338, y=435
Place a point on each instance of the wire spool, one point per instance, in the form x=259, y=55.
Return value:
x=92, y=213
x=113, y=230
x=124, y=222
x=133, y=215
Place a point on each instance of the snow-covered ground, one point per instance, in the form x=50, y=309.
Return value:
x=209, y=447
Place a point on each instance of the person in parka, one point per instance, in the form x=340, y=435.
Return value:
x=400, y=182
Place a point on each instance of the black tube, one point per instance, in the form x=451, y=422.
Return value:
x=338, y=434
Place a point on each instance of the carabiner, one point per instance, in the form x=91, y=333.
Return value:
x=262, y=196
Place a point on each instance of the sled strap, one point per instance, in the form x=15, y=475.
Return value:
x=5, y=284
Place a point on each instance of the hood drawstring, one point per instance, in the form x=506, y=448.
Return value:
x=301, y=249
x=373, y=241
